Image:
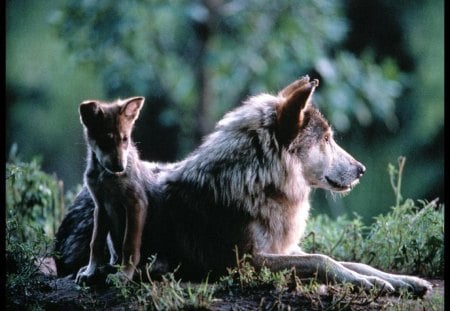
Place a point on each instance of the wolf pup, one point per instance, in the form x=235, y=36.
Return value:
x=246, y=186
x=116, y=183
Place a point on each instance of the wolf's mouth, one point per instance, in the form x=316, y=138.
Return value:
x=340, y=187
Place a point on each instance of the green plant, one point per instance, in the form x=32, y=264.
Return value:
x=169, y=293
x=405, y=301
x=409, y=239
x=244, y=275
x=341, y=238
x=23, y=258
x=33, y=202
x=33, y=197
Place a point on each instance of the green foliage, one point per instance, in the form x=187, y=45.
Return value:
x=24, y=257
x=284, y=289
x=180, y=53
x=245, y=276
x=226, y=52
x=340, y=238
x=33, y=198
x=409, y=239
x=359, y=91
x=427, y=89
x=165, y=294
x=406, y=301
x=34, y=204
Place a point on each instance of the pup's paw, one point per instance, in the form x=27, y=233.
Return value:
x=85, y=275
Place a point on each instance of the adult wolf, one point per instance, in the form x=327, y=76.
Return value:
x=246, y=186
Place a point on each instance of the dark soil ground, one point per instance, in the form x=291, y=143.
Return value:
x=52, y=293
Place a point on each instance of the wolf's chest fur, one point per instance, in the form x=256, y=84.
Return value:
x=279, y=232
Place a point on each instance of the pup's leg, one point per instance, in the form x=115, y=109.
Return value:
x=113, y=257
x=416, y=285
x=321, y=267
x=131, y=250
x=87, y=273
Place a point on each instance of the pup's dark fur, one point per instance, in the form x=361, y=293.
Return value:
x=117, y=182
x=247, y=185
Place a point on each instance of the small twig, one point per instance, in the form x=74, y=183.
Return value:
x=369, y=301
x=401, y=163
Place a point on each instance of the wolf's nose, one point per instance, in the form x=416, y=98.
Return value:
x=361, y=169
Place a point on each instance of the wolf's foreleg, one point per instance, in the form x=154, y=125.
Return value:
x=322, y=267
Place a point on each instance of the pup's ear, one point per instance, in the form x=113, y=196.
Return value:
x=90, y=112
x=297, y=84
x=290, y=110
x=131, y=108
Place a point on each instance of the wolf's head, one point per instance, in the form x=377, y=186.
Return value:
x=108, y=130
x=308, y=138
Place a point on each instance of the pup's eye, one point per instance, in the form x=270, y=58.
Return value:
x=326, y=137
x=124, y=139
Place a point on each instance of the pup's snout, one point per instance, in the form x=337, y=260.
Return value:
x=361, y=169
x=117, y=168
x=114, y=167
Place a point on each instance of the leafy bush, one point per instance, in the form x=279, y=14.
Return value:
x=23, y=258
x=341, y=238
x=33, y=212
x=410, y=239
x=33, y=198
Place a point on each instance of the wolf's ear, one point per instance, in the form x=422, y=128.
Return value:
x=297, y=84
x=290, y=110
x=131, y=107
x=90, y=111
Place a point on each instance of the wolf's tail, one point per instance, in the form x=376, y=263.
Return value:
x=74, y=235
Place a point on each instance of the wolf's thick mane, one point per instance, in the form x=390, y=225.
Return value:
x=242, y=161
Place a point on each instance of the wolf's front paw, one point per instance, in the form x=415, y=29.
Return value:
x=85, y=275
x=417, y=286
x=368, y=283
x=380, y=284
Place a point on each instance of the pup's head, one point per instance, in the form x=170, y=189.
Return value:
x=308, y=138
x=108, y=130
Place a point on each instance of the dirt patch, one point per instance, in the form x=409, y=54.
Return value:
x=52, y=293
x=329, y=298
x=49, y=292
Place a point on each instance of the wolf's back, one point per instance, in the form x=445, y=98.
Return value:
x=74, y=235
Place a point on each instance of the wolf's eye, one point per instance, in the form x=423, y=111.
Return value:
x=326, y=138
x=124, y=139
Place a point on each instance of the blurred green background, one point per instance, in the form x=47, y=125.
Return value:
x=380, y=65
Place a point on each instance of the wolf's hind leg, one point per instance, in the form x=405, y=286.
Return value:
x=416, y=285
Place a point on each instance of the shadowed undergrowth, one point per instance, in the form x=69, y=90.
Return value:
x=409, y=239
